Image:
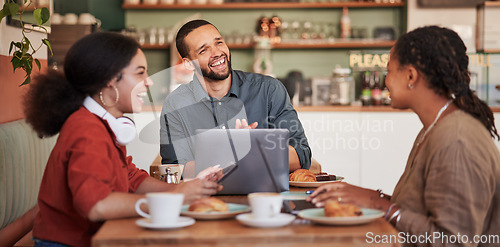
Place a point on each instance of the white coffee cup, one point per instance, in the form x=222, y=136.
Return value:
x=164, y=208
x=265, y=204
x=86, y=19
x=70, y=19
x=56, y=19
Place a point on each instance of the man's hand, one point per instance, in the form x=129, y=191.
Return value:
x=243, y=124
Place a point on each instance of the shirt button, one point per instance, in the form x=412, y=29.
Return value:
x=220, y=103
x=223, y=127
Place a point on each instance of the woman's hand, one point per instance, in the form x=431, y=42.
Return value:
x=348, y=193
x=196, y=189
x=213, y=173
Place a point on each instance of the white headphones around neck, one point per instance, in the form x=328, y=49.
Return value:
x=122, y=127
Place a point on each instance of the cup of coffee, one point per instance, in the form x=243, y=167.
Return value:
x=265, y=204
x=164, y=208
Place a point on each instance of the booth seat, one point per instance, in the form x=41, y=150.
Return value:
x=23, y=157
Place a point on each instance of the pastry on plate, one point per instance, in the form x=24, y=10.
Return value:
x=209, y=204
x=302, y=175
x=336, y=209
x=323, y=176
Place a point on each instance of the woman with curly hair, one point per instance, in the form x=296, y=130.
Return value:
x=88, y=178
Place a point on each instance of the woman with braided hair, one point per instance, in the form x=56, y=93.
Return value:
x=450, y=189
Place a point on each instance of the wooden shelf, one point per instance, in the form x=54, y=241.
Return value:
x=348, y=108
x=355, y=44
x=335, y=45
x=155, y=47
x=267, y=5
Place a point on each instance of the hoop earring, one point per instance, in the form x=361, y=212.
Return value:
x=116, y=100
x=410, y=86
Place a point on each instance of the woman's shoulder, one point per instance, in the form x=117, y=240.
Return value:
x=460, y=129
x=83, y=122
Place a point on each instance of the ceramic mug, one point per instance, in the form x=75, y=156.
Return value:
x=86, y=19
x=56, y=19
x=164, y=208
x=265, y=204
x=70, y=19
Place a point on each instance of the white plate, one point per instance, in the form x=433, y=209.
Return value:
x=317, y=215
x=234, y=209
x=181, y=222
x=314, y=184
x=277, y=221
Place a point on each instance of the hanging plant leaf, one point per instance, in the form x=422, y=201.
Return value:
x=12, y=8
x=47, y=43
x=37, y=14
x=45, y=15
x=26, y=45
x=16, y=62
x=23, y=51
x=2, y=14
x=26, y=81
x=38, y=64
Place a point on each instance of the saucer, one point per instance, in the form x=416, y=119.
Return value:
x=181, y=222
x=277, y=221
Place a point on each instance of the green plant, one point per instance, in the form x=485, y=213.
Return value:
x=23, y=51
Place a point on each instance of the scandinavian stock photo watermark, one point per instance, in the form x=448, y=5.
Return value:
x=435, y=238
x=346, y=134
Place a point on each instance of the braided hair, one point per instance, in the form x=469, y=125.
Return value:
x=440, y=55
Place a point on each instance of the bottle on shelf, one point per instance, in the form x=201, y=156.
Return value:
x=386, y=96
x=262, y=63
x=366, y=92
x=376, y=90
x=341, y=87
x=345, y=24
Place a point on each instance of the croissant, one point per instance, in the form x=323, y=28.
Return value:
x=335, y=209
x=209, y=204
x=302, y=175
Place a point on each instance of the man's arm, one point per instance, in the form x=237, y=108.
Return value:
x=283, y=115
x=293, y=159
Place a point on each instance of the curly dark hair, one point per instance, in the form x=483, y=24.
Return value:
x=439, y=54
x=184, y=31
x=89, y=65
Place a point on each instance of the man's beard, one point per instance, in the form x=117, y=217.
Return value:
x=210, y=74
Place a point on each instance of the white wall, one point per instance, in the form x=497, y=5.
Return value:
x=369, y=149
x=462, y=20
x=10, y=33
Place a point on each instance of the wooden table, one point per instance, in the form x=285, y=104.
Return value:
x=229, y=232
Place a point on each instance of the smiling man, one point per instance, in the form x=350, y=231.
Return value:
x=219, y=97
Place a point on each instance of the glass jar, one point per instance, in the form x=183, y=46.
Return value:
x=341, y=87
